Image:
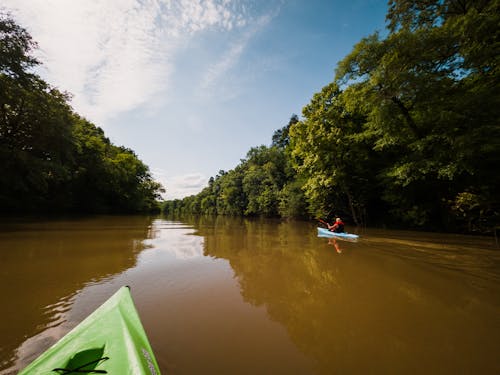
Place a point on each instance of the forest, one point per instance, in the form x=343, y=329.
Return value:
x=53, y=160
x=406, y=134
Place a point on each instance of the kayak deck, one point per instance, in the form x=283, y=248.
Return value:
x=111, y=340
x=323, y=232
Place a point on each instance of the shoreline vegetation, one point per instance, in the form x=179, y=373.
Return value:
x=52, y=159
x=406, y=135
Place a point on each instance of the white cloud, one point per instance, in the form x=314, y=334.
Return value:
x=218, y=70
x=114, y=56
x=178, y=187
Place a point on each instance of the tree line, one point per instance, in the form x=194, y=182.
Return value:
x=52, y=159
x=406, y=134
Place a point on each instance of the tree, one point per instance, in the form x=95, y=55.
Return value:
x=281, y=137
x=232, y=199
x=427, y=93
x=16, y=50
x=110, y=178
x=264, y=177
x=406, y=134
x=332, y=157
x=52, y=159
x=292, y=200
x=35, y=144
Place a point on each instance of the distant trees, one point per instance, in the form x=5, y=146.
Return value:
x=52, y=160
x=406, y=134
x=262, y=184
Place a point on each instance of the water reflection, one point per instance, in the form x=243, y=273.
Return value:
x=383, y=307
x=335, y=244
x=44, y=263
x=229, y=295
x=301, y=286
x=173, y=238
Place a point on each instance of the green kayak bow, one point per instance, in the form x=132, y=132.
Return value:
x=111, y=340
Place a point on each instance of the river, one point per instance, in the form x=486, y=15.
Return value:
x=239, y=296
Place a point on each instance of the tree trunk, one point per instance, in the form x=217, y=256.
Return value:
x=407, y=116
x=353, y=210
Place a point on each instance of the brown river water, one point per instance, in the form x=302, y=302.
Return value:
x=235, y=296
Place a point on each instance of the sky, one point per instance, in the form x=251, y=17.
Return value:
x=192, y=85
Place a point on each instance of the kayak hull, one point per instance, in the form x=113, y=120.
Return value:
x=111, y=339
x=323, y=232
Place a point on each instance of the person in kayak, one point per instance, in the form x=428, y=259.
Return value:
x=337, y=227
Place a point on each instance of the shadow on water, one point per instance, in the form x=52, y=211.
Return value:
x=44, y=263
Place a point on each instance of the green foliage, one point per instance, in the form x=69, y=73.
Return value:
x=16, y=47
x=261, y=185
x=264, y=178
x=292, y=201
x=406, y=134
x=35, y=143
x=232, y=199
x=429, y=92
x=281, y=137
x=334, y=160
x=110, y=178
x=53, y=160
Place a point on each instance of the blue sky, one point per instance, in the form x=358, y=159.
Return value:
x=192, y=85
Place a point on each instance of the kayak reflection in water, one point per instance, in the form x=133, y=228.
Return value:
x=334, y=243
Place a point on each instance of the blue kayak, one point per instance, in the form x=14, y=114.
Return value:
x=323, y=232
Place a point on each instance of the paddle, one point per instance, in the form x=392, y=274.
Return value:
x=324, y=222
